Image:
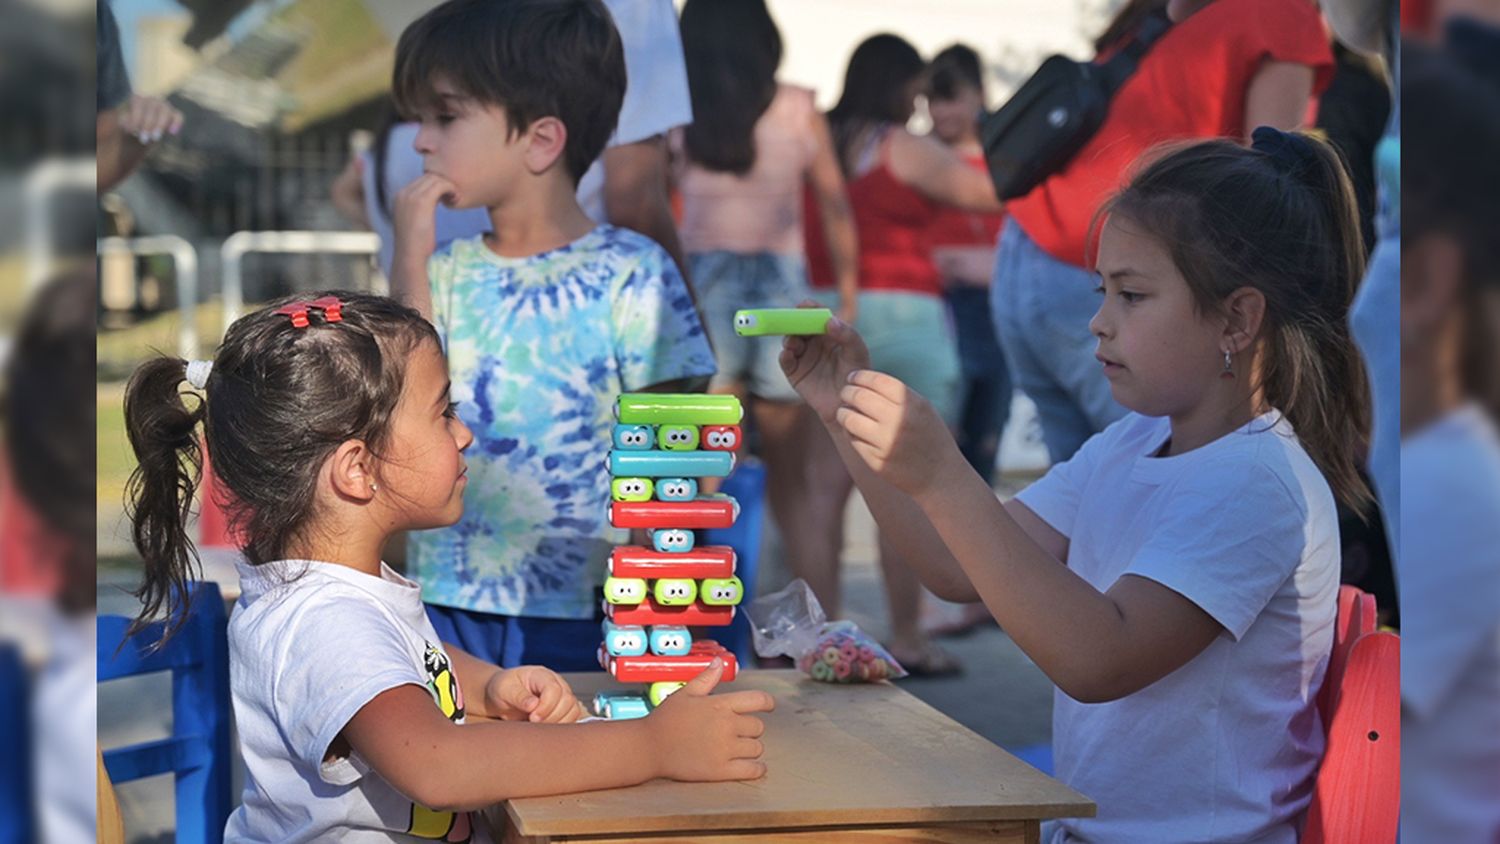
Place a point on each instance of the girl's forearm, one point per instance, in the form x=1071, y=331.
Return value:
x=491, y=761
x=904, y=524
x=1069, y=628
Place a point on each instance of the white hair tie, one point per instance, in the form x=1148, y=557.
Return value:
x=197, y=373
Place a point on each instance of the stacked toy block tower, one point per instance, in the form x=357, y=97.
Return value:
x=663, y=445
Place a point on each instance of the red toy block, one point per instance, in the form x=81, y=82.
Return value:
x=657, y=669
x=716, y=561
x=716, y=512
x=650, y=612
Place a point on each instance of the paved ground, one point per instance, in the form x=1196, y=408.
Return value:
x=1001, y=694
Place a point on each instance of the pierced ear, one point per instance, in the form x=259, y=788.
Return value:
x=547, y=139
x=1245, y=311
x=353, y=470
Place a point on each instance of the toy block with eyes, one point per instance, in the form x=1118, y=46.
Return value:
x=661, y=691
x=672, y=540
x=649, y=612
x=624, y=639
x=670, y=640
x=619, y=705
x=710, y=511
x=677, y=437
x=633, y=437
x=680, y=669
x=624, y=590
x=678, y=409
x=762, y=322
x=708, y=561
x=656, y=463
x=721, y=437
x=674, y=591
x=631, y=489
x=676, y=489
x=721, y=591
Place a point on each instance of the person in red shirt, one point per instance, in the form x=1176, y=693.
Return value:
x=897, y=183
x=1226, y=67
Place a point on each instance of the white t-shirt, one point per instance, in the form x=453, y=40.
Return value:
x=1224, y=748
x=310, y=643
x=1450, y=639
x=656, y=89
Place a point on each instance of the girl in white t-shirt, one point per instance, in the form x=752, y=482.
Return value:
x=1190, y=622
x=329, y=423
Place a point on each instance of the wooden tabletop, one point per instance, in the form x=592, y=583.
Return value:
x=838, y=755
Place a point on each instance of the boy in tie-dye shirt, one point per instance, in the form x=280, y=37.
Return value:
x=544, y=323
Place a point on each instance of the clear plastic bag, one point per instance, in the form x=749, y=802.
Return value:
x=791, y=623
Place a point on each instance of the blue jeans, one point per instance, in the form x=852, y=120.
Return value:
x=984, y=395
x=561, y=644
x=1042, y=307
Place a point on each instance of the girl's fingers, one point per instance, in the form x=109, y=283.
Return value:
x=860, y=427
x=747, y=769
x=886, y=385
x=748, y=748
x=869, y=402
x=749, y=726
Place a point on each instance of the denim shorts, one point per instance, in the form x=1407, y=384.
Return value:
x=729, y=281
x=910, y=337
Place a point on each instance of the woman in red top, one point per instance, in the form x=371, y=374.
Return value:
x=1226, y=67
x=897, y=183
x=963, y=250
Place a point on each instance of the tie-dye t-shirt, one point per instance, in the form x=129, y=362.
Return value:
x=538, y=350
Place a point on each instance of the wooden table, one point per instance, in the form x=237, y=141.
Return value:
x=857, y=763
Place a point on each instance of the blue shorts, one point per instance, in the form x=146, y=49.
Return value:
x=729, y=281
x=561, y=644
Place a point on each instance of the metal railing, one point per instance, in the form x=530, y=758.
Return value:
x=242, y=243
x=184, y=270
x=42, y=185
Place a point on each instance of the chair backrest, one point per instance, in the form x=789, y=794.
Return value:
x=198, y=751
x=16, y=803
x=748, y=486
x=1357, y=795
x=1356, y=617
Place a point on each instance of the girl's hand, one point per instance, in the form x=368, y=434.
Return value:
x=703, y=738
x=818, y=366
x=896, y=432
x=532, y=693
x=414, y=213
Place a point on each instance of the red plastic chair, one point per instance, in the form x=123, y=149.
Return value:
x=1357, y=796
x=214, y=529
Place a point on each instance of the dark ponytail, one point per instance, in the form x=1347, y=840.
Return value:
x=169, y=466
x=1279, y=217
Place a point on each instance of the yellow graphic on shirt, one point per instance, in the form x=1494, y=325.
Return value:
x=425, y=823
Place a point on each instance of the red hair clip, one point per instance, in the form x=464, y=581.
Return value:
x=332, y=308
x=297, y=311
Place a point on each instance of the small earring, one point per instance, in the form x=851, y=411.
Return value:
x=374, y=487
x=1228, y=366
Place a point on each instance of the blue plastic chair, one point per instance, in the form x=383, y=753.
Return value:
x=16, y=804
x=198, y=751
x=747, y=483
